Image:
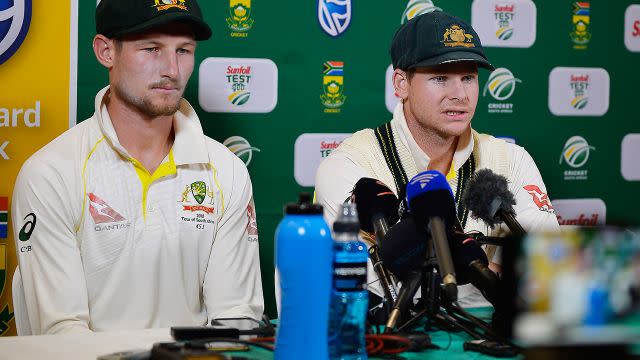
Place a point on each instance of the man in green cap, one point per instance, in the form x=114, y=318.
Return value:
x=436, y=57
x=134, y=218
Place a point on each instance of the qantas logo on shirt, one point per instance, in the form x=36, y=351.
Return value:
x=539, y=198
x=101, y=212
x=252, y=224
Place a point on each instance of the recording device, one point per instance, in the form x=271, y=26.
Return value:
x=431, y=201
x=229, y=328
x=488, y=198
x=377, y=207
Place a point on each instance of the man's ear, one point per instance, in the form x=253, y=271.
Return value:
x=401, y=83
x=104, y=49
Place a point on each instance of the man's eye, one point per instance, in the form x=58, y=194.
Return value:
x=151, y=49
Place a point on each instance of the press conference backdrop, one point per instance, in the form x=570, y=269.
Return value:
x=282, y=84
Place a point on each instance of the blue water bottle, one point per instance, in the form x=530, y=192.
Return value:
x=303, y=261
x=349, y=297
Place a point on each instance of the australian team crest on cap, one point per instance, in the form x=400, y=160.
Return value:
x=456, y=36
x=162, y=5
x=334, y=16
x=15, y=17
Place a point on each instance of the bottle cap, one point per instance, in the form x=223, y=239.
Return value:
x=347, y=220
x=304, y=206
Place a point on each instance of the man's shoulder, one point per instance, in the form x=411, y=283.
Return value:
x=223, y=158
x=64, y=148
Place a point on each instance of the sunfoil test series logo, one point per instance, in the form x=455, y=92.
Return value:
x=15, y=18
x=239, y=20
x=502, y=23
x=333, y=86
x=238, y=78
x=580, y=87
x=504, y=15
x=501, y=85
x=417, y=7
x=241, y=147
x=334, y=16
x=576, y=153
x=581, y=21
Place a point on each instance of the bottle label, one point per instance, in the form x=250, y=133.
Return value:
x=349, y=276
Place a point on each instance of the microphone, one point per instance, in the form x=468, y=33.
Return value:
x=430, y=199
x=471, y=266
x=376, y=203
x=488, y=198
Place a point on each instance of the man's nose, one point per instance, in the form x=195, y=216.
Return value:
x=170, y=67
x=457, y=90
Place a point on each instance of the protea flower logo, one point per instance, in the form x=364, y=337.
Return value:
x=241, y=147
x=579, y=86
x=417, y=7
x=14, y=25
x=501, y=84
x=504, y=15
x=576, y=151
x=239, y=20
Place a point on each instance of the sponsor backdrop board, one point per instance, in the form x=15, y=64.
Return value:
x=270, y=75
x=36, y=50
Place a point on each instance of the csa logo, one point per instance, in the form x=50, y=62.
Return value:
x=501, y=85
x=241, y=147
x=238, y=78
x=417, y=7
x=455, y=36
x=580, y=34
x=504, y=15
x=239, y=20
x=333, y=86
x=5, y=315
x=162, y=5
x=576, y=154
x=15, y=18
x=334, y=16
x=580, y=86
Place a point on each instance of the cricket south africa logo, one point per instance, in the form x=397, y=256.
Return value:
x=504, y=15
x=161, y=5
x=241, y=148
x=579, y=87
x=334, y=16
x=239, y=20
x=333, y=85
x=238, y=79
x=501, y=85
x=417, y=7
x=576, y=153
x=581, y=22
x=15, y=18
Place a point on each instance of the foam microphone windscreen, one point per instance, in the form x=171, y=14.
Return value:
x=373, y=197
x=404, y=248
x=486, y=194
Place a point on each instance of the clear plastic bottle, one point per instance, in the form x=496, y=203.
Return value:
x=349, y=297
x=303, y=260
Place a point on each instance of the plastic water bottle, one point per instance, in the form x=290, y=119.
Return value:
x=303, y=259
x=349, y=298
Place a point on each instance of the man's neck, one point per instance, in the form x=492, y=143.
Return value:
x=147, y=139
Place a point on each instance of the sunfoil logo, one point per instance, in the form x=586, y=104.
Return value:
x=576, y=151
x=501, y=84
x=417, y=7
x=241, y=147
x=15, y=18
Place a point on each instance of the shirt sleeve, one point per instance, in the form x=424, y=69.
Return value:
x=232, y=284
x=48, y=252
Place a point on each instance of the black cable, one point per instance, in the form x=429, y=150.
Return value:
x=202, y=343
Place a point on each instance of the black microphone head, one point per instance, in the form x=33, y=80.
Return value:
x=464, y=251
x=373, y=197
x=485, y=194
x=404, y=248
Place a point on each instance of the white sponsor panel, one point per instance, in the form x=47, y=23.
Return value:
x=580, y=212
x=309, y=151
x=390, y=98
x=238, y=85
x=630, y=159
x=505, y=23
x=578, y=91
x=632, y=28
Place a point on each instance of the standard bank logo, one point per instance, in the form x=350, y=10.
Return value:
x=239, y=85
x=309, y=151
x=505, y=24
x=578, y=91
x=15, y=18
x=334, y=16
x=417, y=7
x=241, y=147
